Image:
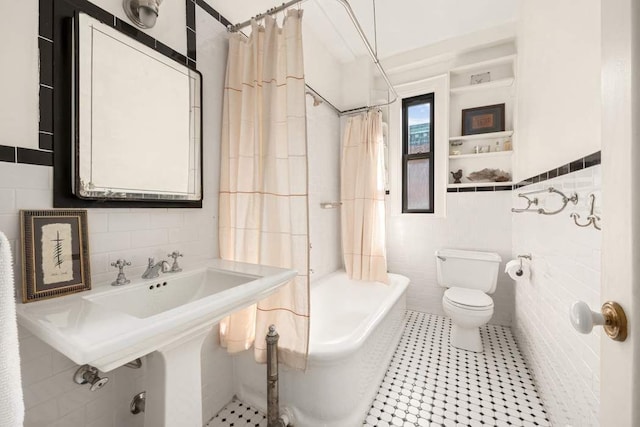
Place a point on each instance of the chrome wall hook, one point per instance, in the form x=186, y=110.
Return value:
x=565, y=201
x=530, y=202
x=592, y=219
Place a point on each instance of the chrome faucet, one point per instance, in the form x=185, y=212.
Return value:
x=153, y=269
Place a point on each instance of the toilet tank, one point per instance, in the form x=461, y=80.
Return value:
x=467, y=269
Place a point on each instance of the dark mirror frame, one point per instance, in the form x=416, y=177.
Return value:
x=64, y=12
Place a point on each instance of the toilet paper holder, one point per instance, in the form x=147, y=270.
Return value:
x=521, y=257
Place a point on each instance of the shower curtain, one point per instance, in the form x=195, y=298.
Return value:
x=263, y=183
x=362, y=189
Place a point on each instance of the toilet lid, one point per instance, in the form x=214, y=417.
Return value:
x=468, y=297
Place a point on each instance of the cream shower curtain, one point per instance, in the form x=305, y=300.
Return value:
x=362, y=189
x=263, y=183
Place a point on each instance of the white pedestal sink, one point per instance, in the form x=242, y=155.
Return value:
x=166, y=318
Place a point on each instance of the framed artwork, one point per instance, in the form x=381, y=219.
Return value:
x=55, y=253
x=483, y=119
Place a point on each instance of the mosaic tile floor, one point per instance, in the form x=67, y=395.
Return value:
x=430, y=383
x=237, y=414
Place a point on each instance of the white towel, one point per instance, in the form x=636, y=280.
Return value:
x=11, y=403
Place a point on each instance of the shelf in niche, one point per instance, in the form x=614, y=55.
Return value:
x=484, y=64
x=491, y=135
x=479, y=184
x=482, y=86
x=481, y=155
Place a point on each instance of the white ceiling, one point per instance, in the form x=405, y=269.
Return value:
x=401, y=25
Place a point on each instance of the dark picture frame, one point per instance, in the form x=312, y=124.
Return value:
x=55, y=253
x=486, y=119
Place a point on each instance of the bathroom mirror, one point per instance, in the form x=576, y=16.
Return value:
x=137, y=131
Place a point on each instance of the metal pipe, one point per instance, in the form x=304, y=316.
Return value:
x=362, y=35
x=272, y=11
x=273, y=398
x=314, y=92
x=373, y=55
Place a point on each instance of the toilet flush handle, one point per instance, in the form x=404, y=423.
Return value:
x=612, y=318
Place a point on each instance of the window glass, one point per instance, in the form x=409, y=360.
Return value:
x=418, y=156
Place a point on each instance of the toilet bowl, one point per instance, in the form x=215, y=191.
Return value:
x=469, y=276
x=468, y=309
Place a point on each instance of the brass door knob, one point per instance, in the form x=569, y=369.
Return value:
x=612, y=319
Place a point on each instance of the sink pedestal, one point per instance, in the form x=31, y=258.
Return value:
x=174, y=385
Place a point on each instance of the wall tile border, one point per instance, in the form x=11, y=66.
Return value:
x=480, y=189
x=44, y=155
x=579, y=164
x=576, y=165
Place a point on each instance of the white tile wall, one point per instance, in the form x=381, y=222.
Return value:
x=565, y=268
x=323, y=139
x=51, y=397
x=477, y=221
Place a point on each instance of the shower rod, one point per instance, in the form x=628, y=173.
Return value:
x=365, y=40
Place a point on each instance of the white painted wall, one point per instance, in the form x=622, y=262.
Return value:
x=558, y=84
x=19, y=83
x=51, y=397
x=322, y=71
x=565, y=269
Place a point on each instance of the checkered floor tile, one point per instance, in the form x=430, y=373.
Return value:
x=238, y=414
x=430, y=383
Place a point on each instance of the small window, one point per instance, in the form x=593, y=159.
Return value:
x=417, y=154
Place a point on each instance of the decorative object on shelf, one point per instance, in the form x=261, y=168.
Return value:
x=455, y=152
x=456, y=143
x=485, y=119
x=497, y=147
x=565, y=201
x=507, y=146
x=480, y=149
x=489, y=175
x=457, y=176
x=55, y=253
x=592, y=219
x=480, y=78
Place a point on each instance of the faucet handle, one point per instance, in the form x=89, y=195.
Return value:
x=175, y=267
x=152, y=262
x=121, y=264
x=121, y=279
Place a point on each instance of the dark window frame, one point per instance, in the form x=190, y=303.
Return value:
x=406, y=157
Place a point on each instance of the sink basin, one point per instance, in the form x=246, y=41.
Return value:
x=108, y=326
x=166, y=319
x=169, y=292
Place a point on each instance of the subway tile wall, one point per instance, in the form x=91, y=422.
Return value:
x=51, y=397
x=323, y=141
x=476, y=221
x=565, y=269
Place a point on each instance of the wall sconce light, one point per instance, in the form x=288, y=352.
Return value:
x=143, y=13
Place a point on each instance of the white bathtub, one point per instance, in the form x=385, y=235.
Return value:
x=355, y=328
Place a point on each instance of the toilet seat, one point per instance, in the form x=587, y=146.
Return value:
x=468, y=299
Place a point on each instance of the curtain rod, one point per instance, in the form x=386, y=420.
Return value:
x=358, y=27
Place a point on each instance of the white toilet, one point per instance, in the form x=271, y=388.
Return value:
x=470, y=277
